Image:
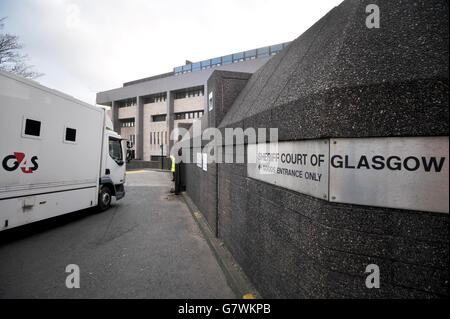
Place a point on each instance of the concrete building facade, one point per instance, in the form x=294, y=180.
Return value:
x=146, y=111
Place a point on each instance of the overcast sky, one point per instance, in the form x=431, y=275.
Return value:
x=88, y=46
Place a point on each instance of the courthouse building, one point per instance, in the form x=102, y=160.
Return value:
x=146, y=111
x=373, y=220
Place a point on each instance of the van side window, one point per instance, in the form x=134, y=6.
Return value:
x=71, y=134
x=32, y=127
x=115, y=149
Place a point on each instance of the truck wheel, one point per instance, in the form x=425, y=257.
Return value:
x=104, y=198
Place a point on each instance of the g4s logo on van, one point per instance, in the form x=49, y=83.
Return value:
x=12, y=162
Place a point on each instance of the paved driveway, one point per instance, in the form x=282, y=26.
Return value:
x=146, y=246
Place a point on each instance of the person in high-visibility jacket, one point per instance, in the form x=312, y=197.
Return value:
x=172, y=158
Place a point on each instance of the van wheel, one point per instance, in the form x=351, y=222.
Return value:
x=104, y=198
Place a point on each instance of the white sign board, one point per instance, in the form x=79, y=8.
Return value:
x=398, y=172
x=301, y=166
x=199, y=160
x=205, y=162
x=210, y=101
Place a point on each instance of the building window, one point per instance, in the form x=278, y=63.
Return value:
x=238, y=57
x=127, y=123
x=198, y=92
x=127, y=103
x=180, y=95
x=274, y=49
x=206, y=64
x=227, y=59
x=263, y=52
x=32, y=127
x=115, y=149
x=232, y=58
x=250, y=55
x=159, y=99
x=155, y=98
x=159, y=118
x=151, y=141
x=188, y=115
x=71, y=134
x=196, y=66
x=187, y=68
x=216, y=62
x=178, y=70
x=188, y=93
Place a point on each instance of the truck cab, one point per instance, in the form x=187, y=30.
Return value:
x=112, y=174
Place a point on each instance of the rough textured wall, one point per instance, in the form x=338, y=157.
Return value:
x=340, y=79
x=202, y=188
x=202, y=185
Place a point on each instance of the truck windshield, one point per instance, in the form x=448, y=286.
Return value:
x=115, y=149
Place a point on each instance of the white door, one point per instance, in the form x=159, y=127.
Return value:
x=115, y=160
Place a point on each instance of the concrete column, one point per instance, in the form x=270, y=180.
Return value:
x=139, y=125
x=226, y=86
x=170, y=118
x=115, y=116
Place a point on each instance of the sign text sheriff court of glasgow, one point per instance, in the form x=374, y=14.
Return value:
x=396, y=172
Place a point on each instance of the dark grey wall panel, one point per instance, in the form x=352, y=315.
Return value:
x=338, y=79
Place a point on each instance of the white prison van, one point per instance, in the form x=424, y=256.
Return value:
x=57, y=154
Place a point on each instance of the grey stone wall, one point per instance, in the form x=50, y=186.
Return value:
x=338, y=79
x=201, y=185
x=202, y=188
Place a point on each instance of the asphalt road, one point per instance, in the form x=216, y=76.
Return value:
x=147, y=245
